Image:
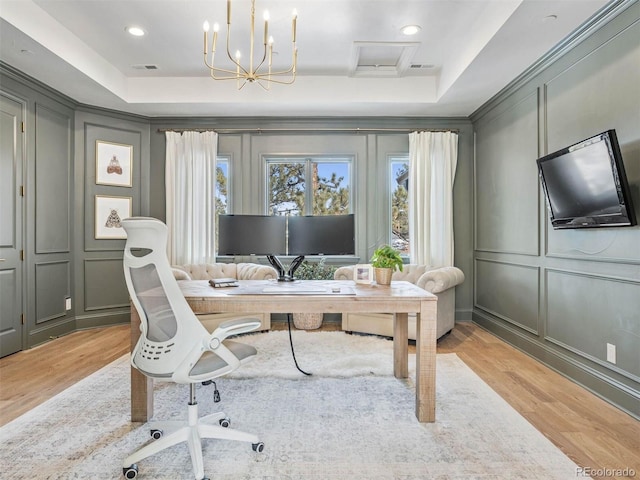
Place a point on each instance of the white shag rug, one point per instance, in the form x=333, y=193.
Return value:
x=321, y=427
x=326, y=354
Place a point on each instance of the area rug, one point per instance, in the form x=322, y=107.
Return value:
x=361, y=427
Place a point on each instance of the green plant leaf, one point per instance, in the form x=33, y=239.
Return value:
x=387, y=257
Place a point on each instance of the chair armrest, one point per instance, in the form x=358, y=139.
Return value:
x=344, y=273
x=236, y=327
x=440, y=279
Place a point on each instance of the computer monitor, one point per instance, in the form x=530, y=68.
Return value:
x=322, y=235
x=252, y=235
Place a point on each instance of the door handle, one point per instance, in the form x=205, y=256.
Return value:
x=3, y=259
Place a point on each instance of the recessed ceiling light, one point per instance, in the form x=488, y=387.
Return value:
x=410, y=29
x=135, y=31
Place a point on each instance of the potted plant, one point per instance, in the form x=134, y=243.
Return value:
x=385, y=260
x=312, y=271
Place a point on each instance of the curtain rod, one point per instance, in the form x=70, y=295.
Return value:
x=310, y=129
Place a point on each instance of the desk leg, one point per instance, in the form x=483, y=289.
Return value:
x=141, y=385
x=426, y=362
x=400, y=345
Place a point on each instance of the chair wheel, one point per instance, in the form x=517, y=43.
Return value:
x=130, y=472
x=225, y=422
x=257, y=447
x=156, y=434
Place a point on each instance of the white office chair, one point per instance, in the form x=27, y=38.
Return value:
x=174, y=346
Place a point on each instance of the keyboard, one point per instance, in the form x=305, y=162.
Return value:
x=294, y=290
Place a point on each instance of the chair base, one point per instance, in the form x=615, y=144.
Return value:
x=171, y=433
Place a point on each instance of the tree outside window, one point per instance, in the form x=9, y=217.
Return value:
x=309, y=186
x=222, y=186
x=222, y=189
x=399, y=185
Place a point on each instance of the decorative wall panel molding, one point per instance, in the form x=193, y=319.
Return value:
x=53, y=159
x=505, y=290
x=105, y=286
x=601, y=90
x=52, y=287
x=506, y=183
x=584, y=312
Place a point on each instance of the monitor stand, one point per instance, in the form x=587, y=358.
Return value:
x=283, y=274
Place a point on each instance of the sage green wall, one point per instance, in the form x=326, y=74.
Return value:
x=47, y=167
x=62, y=257
x=562, y=295
x=101, y=296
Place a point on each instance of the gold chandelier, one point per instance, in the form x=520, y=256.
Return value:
x=262, y=73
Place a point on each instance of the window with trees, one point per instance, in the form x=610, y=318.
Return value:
x=222, y=185
x=308, y=186
x=399, y=186
x=222, y=188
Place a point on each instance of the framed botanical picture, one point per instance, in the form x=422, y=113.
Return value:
x=110, y=211
x=363, y=273
x=113, y=163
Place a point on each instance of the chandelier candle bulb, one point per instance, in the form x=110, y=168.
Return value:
x=293, y=26
x=266, y=26
x=205, y=27
x=216, y=27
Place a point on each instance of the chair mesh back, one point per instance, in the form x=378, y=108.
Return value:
x=162, y=325
x=169, y=328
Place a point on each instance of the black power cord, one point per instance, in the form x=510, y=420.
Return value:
x=291, y=343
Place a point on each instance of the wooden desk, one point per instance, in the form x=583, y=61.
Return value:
x=400, y=298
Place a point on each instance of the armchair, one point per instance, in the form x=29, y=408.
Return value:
x=439, y=281
x=175, y=347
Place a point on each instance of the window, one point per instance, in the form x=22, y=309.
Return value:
x=222, y=185
x=222, y=189
x=309, y=186
x=399, y=185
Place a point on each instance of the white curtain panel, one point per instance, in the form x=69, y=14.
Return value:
x=433, y=157
x=190, y=196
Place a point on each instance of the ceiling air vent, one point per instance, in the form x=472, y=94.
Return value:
x=381, y=59
x=144, y=67
x=421, y=66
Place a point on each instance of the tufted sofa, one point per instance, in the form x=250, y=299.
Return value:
x=239, y=271
x=439, y=281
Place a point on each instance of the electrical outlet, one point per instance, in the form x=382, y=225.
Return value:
x=67, y=303
x=611, y=353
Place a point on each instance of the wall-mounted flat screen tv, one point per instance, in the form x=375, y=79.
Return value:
x=586, y=186
x=252, y=235
x=322, y=235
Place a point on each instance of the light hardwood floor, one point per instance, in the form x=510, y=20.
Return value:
x=591, y=432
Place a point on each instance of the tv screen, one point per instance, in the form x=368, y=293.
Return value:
x=322, y=235
x=251, y=235
x=586, y=186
